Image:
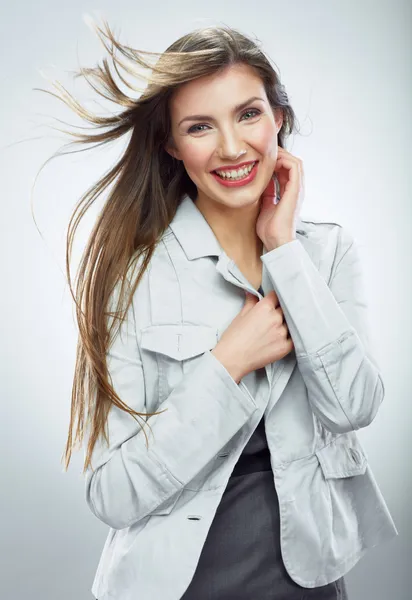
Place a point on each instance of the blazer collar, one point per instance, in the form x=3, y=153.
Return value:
x=197, y=238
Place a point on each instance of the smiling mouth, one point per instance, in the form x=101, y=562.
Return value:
x=249, y=167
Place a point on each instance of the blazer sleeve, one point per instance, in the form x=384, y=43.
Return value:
x=130, y=479
x=328, y=323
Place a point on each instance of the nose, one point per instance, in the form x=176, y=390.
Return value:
x=230, y=147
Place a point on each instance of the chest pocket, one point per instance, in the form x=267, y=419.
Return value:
x=176, y=349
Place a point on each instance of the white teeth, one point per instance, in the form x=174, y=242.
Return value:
x=236, y=174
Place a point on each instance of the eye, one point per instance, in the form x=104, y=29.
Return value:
x=192, y=129
x=251, y=110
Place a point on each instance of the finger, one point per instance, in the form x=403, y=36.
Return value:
x=273, y=298
x=249, y=298
x=288, y=154
x=291, y=166
x=288, y=162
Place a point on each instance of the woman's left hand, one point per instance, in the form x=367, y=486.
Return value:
x=276, y=223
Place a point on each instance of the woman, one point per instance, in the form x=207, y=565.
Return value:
x=243, y=345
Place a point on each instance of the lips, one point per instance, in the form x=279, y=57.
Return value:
x=235, y=168
x=230, y=182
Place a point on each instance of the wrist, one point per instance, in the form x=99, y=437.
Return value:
x=229, y=363
x=275, y=243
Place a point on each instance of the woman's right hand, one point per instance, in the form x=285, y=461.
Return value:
x=257, y=336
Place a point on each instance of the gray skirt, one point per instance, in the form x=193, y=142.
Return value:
x=241, y=557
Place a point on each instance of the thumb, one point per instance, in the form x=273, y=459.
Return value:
x=249, y=301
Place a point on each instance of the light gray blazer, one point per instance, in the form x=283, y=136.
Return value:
x=160, y=501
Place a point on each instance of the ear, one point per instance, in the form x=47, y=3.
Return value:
x=278, y=114
x=170, y=149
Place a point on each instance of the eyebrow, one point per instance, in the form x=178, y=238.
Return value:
x=207, y=117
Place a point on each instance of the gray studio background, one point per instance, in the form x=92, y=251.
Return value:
x=347, y=68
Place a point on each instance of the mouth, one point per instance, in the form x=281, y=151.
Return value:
x=245, y=176
x=244, y=165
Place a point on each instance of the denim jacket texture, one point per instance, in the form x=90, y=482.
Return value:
x=159, y=502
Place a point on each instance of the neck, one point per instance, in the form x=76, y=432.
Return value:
x=235, y=229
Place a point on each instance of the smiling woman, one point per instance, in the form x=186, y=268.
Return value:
x=213, y=144
x=254, y=485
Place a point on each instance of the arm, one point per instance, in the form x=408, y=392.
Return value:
x=329, y=328
x=205, y=410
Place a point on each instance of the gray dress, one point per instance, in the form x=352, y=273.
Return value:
x=241, y=558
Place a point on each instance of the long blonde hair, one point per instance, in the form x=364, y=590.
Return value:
x=148, y=185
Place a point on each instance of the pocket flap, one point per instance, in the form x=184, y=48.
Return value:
x=342, y=458
x=179, y=341
x=166, y=507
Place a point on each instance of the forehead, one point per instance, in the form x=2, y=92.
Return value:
x=232, y=85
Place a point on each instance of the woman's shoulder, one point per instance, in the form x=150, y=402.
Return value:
x=323, y=231
x=316, y=225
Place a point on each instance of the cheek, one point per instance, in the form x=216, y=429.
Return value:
x=195, y=156
x=267, y=139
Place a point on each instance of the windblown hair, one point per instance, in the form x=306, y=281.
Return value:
x=148, y=186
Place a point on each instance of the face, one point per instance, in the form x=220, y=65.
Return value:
x=218, y=138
